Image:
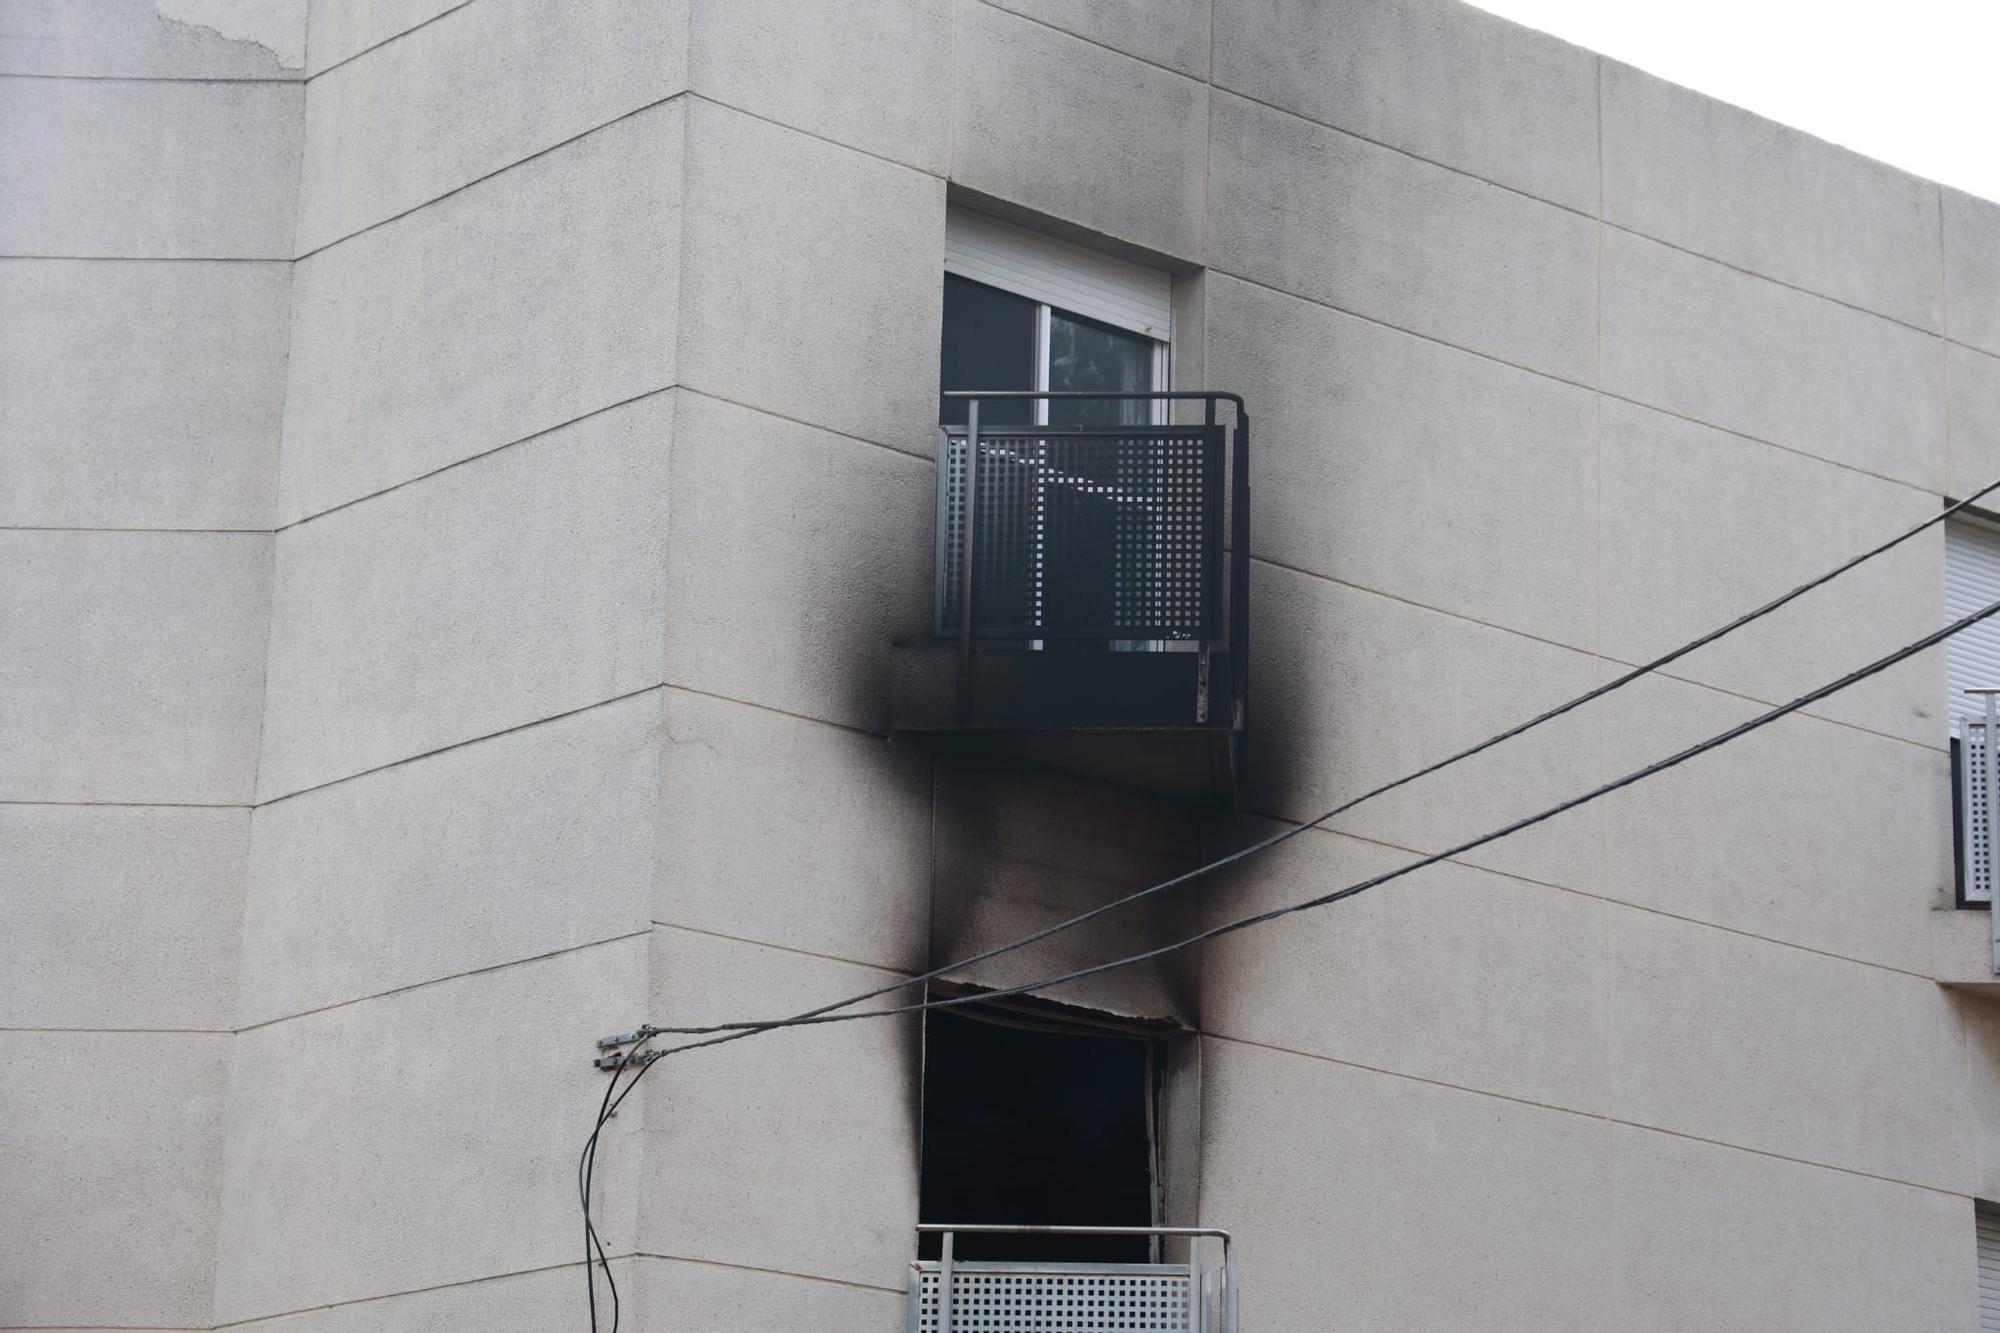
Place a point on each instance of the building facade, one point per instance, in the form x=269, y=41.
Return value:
x=466, y=469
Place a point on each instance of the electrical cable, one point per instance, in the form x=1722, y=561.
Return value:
x=645, y=1060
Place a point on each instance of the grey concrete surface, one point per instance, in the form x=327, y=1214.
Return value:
x=796, y=62
x=799, y=833
x=441, y=107
x=1972, y=419
x=483, y=855
x=1477, y=496
x=519, y=586
x=139, y=39
x=1174, y=34
x=110, y=1200
x=507, y=309
x=338, y=30
x=1723, y=182
x=423, y=1138
x=1132, y=133
x=1733, y=350
x=131, y=665
x=147, y=169
x=121, y=916
x=104, y=425
x=1377, y=233
x=1443, y=81
x=505, y=1303
x=1972, y=270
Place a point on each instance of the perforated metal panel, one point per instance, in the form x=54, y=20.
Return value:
x=1051, y=1298
x=1087, y=535
x=1975, y=780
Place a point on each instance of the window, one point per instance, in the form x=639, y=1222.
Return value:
x=1972, y=662
x=1032, y=1117
x=1986, y=1221
x=1026, y=312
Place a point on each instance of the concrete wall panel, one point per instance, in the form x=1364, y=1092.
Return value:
x=1452, y=973
x=1736, y=351
x=1731, y=185
x=121, y=916
x=510, y=1303
x=510, y=308
x=139, y=39
x=521, y=586
x=131, y=665
x=144, y=169
x=795, y=832
x=1132, y=134
x=1699, y=526
x=1709, y=1237
x=342, y=29
x=444, y=105
x=1979, y=1018
x=812, y=280
x=1476, y=495
x=1369, y=1202
x=801, y=64
x=796, y=557
x=1344, y=222
x=1174, y=34
x=423, y=1138
x=110, y=1144
x=141, y=394
x=1972, y=270
x=1778, y=1049
x=1846, y=836
x=1972, y=381
x=1350, y=689
x=501, y=850
x=789, y=1151
x=676, y=1296
x=1521, y=107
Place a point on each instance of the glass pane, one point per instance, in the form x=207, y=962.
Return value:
x=1086, y=356
x=989, y=343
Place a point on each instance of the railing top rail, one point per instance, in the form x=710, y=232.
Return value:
x=1030, y=1229
x=1171, y=395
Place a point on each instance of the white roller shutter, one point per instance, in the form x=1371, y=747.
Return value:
x=1971, y=580
x=1057, y=273
x=1987, y=1218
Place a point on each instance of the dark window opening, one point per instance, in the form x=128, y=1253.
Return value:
x=1031, y=1120
x=989, y=343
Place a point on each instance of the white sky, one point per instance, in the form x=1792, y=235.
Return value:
x=1915, y=83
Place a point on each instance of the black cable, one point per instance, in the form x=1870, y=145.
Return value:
x=586, y=1171
x=1283, y=835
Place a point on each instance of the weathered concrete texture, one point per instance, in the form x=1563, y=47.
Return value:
x=1174, y=33
x=444, y=106
x=501, y=850
x=834, y=1193
x=110, y=1147
x=1350, y=689
x=121, y=916
x=793, y=832
x=1132, y=135
x=512, y=307
x=800, y=62
x=140, y=394
x=1345, y=222
x=140, y=39
x=1444, y=81
x=1729, y=184
x=131, y=665
x=1452, y=973
x=516, y=587
x=1018, y=850
x=1766, y=1046
x=504, y=1303
x=1476, y=495
x=1709, y=1237
x=1979, y=1018
x=1746, y=354
x=680, y=1297
x=1369, y=1202
x=795, y=558
x=423, y=1138
x=1972, y=381
x=811, y=279
x=148, y=170
x=1689, y=541
x=339, y=30
x=1972, y=270
x=1846, y=836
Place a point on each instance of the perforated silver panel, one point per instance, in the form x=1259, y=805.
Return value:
x=1057, y=1298
x=1975, y=765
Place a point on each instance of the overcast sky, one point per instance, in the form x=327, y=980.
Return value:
x=1915, y=83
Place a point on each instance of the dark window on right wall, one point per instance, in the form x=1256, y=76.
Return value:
x=1028, y=1120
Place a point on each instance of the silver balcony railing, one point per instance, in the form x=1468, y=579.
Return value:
x=1979, y=806
x=950, y=1295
